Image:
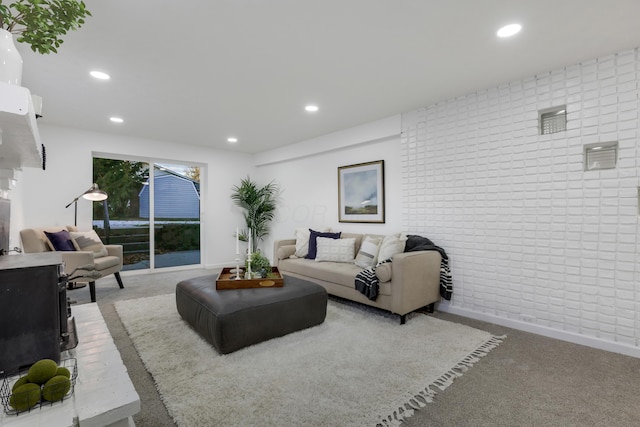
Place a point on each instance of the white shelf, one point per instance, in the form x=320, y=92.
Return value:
x=20, y=144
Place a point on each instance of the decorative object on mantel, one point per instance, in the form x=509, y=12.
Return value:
x=259, y=205
x=361, y=192
x=33, y=388
x=40, y=24
x=10, y=59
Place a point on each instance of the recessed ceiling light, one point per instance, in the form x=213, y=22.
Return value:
x=232, y=140
x=116, y=119
x=509, y=30
x=311, y=108
x=100, y=75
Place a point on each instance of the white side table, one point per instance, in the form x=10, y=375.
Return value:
x=104, y=394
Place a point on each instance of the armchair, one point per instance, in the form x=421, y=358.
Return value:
x=107, y=259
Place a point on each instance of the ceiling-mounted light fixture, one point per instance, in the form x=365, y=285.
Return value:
x=99, y=75
x=311, y=108
x=232, y=139
x=116, y=119
x=509, y=30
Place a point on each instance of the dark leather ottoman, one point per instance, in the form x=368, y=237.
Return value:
x=231, y=319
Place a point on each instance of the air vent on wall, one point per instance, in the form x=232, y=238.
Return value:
x=602, y=155
x=553, y=120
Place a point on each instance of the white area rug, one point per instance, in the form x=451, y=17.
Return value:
x=359, y=368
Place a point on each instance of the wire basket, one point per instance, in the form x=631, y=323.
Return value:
x=9, y=380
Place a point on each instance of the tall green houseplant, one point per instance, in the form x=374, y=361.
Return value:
x=259, y=205
x=41, y=23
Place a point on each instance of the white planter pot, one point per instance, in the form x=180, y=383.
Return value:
x=10, y=60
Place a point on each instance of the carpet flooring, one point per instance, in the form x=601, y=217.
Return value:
x=357, y=368
x=528, y=380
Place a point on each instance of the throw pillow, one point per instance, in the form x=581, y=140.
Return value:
x=313, y=245
x=60, y=241
x=368, y=252
x=391, y=245
x=383, y=272
x=89, y=241
x=336, y=250
x=302, y=241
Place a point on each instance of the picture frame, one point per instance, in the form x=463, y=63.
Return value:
x=361, y=192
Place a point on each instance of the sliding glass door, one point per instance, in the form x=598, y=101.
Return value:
x=176, y=213
x=153, y=211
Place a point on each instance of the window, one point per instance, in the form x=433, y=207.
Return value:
x=553, y=120
x=153, y=211
x=600, y=156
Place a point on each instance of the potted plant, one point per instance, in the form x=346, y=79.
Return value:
x=259, y=205
x=41, y=23
x=260, y=265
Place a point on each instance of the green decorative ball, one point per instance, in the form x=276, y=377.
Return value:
x=21, y=381
x=25, y=397
x=42, y=371
x=63, y=371
x=56, y=388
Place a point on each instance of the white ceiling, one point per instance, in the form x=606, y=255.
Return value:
x=198, y=71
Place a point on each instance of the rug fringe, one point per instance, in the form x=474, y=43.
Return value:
x=427, y=395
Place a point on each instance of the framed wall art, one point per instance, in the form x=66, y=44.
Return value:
x=361, y=192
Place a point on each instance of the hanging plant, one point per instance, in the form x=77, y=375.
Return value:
x=41, y=23
x=259, y=205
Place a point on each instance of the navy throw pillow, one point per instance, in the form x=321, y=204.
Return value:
x=60, y=240
x=313, y=243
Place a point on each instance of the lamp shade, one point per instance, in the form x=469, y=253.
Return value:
x=94, y=194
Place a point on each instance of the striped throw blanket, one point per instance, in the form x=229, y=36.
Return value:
x=367, y=282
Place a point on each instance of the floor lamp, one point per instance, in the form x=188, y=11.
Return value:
x=94, y=194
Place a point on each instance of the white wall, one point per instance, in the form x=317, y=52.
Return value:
x=535, y=241
x=39, y=197
x=308, y=178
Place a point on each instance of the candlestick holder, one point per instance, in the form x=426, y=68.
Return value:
x=238, y=271
x=248, y=274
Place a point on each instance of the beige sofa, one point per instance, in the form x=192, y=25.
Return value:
x=413, y=277
x=109, y=262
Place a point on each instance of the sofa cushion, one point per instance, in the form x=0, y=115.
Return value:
x=302, y=240
x=339, y=273
x=336, y=250
x=89, y=241
x=383, y=272
x=105, y=262
x=313, y=244
x=342, y=273
x=391, y=245
x=368, y=253
x=60, y=241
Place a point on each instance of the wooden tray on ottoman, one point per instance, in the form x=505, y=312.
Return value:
x=225, y=281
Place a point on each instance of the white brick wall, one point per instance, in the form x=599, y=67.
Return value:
x=531, y=236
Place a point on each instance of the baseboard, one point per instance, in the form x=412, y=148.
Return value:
x=572, y=337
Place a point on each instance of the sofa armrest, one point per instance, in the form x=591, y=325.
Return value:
x=114, y=250
x=282, y=249
x=416, y=280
